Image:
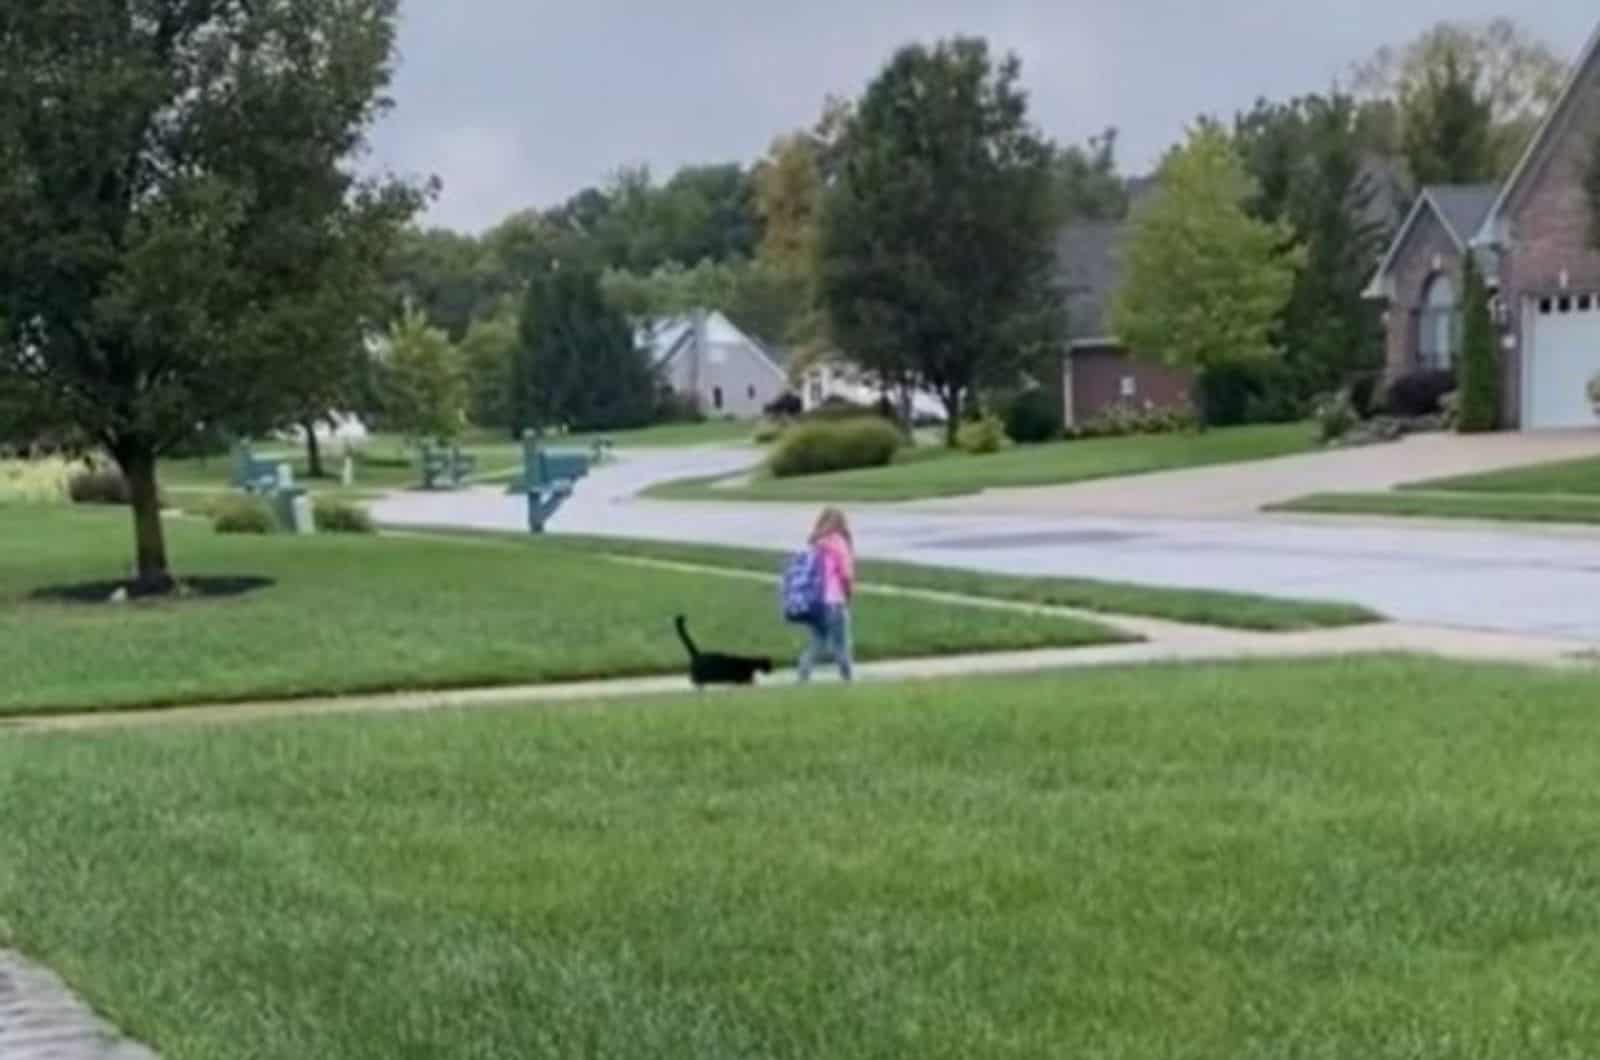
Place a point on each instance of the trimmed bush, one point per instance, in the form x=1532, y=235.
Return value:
x=1124, y=419
x=818, y=448
x=1479, y=409
x=1336, y=416
x=1364, y=390
x=981, y=437
x=1034, y=416
x=101, y=485
x=243, y=515
x=1419, y=393
x=340, y=517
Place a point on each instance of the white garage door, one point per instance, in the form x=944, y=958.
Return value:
x=1564, y=354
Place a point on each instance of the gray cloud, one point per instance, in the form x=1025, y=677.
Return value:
x=518, y=103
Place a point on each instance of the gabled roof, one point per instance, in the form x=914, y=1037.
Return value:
x=1460, y=208
x=666, y=338
x=1485, y=234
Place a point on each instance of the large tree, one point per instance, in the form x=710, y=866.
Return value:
x=578, y=364
x=1449, y=127
x=425, y=382
x=1206, y=283
x=938, y=233
x=1515, y=72
x=1307, y=161
x=179, y=207
x=1091, y=188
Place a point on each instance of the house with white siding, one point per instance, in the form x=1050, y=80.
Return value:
x=704, y=356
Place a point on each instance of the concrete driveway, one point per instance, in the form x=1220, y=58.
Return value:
x=1235, y=491
x=1544, y=583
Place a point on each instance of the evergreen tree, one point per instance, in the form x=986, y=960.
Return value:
x=1480, y=365
x=578, y=364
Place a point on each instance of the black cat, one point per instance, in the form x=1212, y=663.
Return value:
x=707, y=668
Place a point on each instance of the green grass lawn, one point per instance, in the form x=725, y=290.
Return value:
x=1386, y=859
x=373, y=614
x=1195, y=606
x=1578, y=478
x=1502, y=507
x=950, y=475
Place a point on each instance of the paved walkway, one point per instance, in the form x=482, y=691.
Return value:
x=1541, y=582
x=40, y=1019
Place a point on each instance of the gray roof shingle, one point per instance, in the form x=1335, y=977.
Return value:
x=1464, y=206
x=1089, y=260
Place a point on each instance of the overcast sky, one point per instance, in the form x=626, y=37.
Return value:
x=518, y=103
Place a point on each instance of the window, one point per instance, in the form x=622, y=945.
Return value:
x=750, y=392
x=1130, y=388
x=716, y=398
x=1440, y=321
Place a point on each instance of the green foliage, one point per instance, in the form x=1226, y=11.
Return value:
x=578, y=364
x=1090, y=187
x=981, y=437
x=1336, y=416
x=425, y=380
x=490, y=353
x=820, y=448
x=240, y=514
x=446, y=274
x=1206, y=283
x=1034, y=416
x=938, y=232
x=100, y=485
x=1480, y=362
x=334, y=516
x=1125, y=419
x=1449, y=126
x=768, y=302
x=187, y=236
x=1517, y=74
x=1307, y=160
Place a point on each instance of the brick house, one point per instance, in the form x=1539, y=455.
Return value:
x=1532, y=237
x=1097, y=370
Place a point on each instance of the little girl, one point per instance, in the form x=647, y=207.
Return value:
x=830, y=634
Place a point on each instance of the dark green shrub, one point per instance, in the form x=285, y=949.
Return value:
x=818, y=448
x=1419, y=393
x=340, y=517
x=1034, y=416
x=1364, y=390
x=243, y=515
x=981, y=437
x=1480, y=363
x=100, y=485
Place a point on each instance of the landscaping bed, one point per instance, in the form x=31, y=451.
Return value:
x=1381, y=859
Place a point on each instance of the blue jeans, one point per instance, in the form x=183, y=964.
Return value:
x=830, y=638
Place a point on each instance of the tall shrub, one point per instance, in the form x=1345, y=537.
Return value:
x=1480, y=367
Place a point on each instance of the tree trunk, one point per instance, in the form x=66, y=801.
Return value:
x=151, y=573
x=313, y=451
x=952, y=410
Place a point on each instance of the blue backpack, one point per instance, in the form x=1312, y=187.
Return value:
x=800, y=591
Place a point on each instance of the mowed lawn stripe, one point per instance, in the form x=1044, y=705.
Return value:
x=351, y=615
x=1384, y=858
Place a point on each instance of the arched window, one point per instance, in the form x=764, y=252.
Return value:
x=1440, y=337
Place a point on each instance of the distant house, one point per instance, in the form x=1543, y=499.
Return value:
x=1532, y=237
x=1097, y=370
x=703, y=356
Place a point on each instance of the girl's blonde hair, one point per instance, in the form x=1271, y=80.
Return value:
x=830, y=522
